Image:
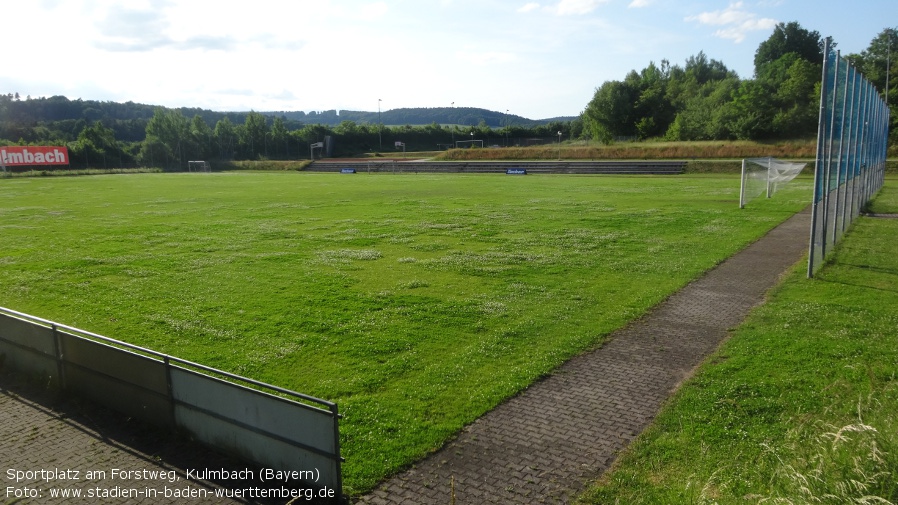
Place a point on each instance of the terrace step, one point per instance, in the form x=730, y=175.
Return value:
x=474, y=167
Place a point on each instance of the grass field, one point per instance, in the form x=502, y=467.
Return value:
x=415, y=302
x=799, y=405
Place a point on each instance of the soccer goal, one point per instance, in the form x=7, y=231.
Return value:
x=198, y=166
x=461, y=144
x=763, y=176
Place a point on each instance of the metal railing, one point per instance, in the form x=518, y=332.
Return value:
x=269, y=426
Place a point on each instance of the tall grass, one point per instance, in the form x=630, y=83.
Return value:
x=263, y=165
x=65, y=172
x=640, y=150
x=824, y=463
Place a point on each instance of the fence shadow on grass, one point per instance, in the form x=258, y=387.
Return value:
x=868, y=269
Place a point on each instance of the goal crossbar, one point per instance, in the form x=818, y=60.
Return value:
x=198, y=166
x=470, y=143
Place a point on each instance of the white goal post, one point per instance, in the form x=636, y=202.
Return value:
x=198, y=166
x=764, y=175
x=467, y=143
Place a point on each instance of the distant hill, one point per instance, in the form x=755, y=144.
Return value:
x=129, y=119
x=465, y=116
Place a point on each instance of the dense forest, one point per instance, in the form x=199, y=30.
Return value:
x=702, y=100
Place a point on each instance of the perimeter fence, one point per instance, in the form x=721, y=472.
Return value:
x=852, y=142
x=272, y=427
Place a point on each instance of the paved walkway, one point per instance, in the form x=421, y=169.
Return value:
x=546, y=444
x=50, y=444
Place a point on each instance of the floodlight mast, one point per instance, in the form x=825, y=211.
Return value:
x=559, y=145
x=506, y=127
x=452, y=126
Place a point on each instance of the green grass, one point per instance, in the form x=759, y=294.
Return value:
x=66, y=172
x=642, y=150
x=417, y=303
x=799, y=405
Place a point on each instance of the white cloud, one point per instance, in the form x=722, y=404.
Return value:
x=736, y=22
x=374, y=11
x=485, y=58
x=578, y=7
x=200, y=53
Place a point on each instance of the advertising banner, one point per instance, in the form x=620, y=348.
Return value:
x=15, y=156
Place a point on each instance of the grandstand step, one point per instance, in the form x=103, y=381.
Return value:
x=548, y=167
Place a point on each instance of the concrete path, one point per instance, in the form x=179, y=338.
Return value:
x=50, y=444
x=546, y=444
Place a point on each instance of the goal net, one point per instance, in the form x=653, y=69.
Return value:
x=461, y=144
x=198, y=166
x=762, y=176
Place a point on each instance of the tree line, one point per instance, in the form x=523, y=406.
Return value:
x=704, y=100
x=701, y=100
x=464, y=116
x=106, y=134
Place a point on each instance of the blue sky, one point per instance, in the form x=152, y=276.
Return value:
x=533, y=58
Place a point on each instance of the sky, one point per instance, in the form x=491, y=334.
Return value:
x=533, y=58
